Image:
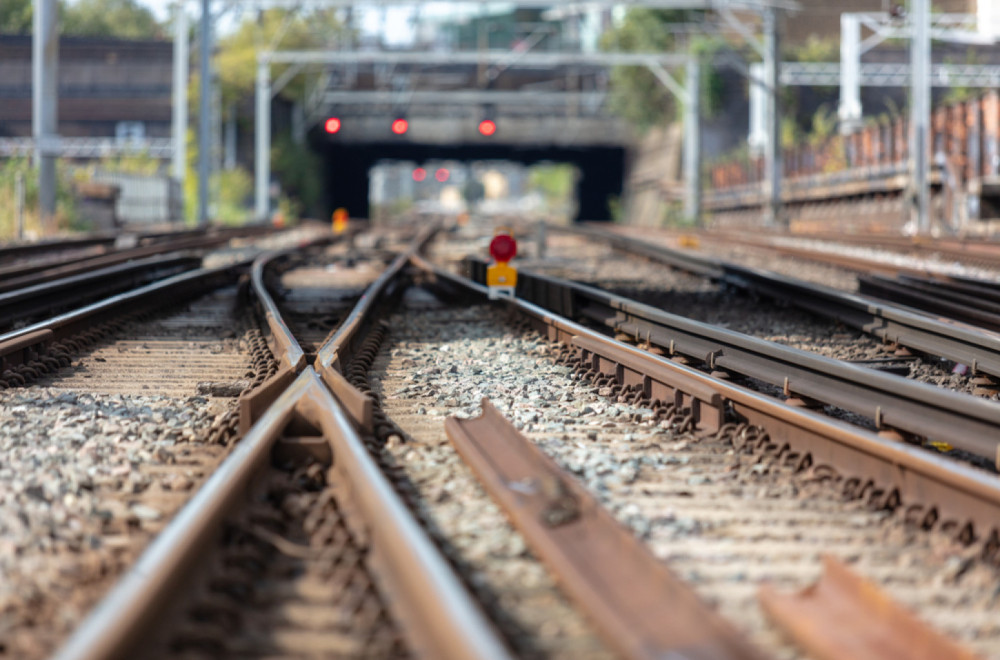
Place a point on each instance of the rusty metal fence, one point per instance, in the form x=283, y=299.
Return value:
x=964, y=156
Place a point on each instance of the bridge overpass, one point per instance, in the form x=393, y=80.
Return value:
x=545, y=105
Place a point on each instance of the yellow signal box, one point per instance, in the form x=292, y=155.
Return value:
x=501, y=279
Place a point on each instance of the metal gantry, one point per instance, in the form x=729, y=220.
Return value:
x=47, y=146
x=658, y=63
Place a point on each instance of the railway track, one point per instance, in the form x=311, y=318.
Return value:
x=113, y=415
x=345, y=509
x=895, y=326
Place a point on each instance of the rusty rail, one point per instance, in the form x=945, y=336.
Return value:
x=970, y=346
x=940, y=490
x=640, y=606
x=966, y=304
x=72, y=291
x=20, y=275
x=890, y=401
x=436, y=613
x=20, y=346
x=343, y=344
x=844, y=616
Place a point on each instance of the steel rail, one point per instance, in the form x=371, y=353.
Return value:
x=931, y=298
x=643, y=610
x=892, y=402
x=20, y=346
x=342, y=344
x=19, y=275
x=963, y=344
x=435, y=611
x=15, y=250
x=45, y=297
x=970, y=346
x=981, y=250
x=907, y=475
x=817, y=618
x=284, y=346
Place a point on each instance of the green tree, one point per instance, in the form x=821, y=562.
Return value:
x=126, y=19
x=15, y=17
x=636, y=94
x=296, y=166
x=273, y=28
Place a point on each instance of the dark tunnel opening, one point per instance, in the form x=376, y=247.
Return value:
x=346, y=169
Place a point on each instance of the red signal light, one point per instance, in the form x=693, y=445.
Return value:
x=442, y=174
x=419, y=174
x=487, y=127
x=332, y=125
x=503, y=247
x=399, y=126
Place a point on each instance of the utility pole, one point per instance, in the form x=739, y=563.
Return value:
x=19, y=205
x=180, y=118
x=692, y=141
x=262, y=173
x=45, y=105
x=920, y=113
x=204, y=111
x=772, y=154
x=849, y=110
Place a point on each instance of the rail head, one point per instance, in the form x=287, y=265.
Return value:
x=284, y=346
x=438, y=615
x=890, y=401
x=16, y=349
x=340, y=345
x=971, y=346
x=955, y=491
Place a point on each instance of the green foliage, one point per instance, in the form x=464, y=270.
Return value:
x=790, y=132
x=125, y=19
x=296, y=167
x=616, y=209
x=555, y=181
x=636, y=94
x=961, y=94
x=232, y=191
x=141, y=164
x=289, y=30
x=816, y=49
x=713, y=88
x=15, y=17
x=824, y=126
x=65, y=204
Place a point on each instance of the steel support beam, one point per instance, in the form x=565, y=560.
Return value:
x=772, y=154
x=453, y=97
x=749, y=5
x=692, y=142
x=486, y=57
x=87, y=147
x=45, y=105
x=757, y=138
x=205, y=112
x=262, y=143
x=828, y=74
x=180, y=115
x=849, y=109
x=920, y=113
